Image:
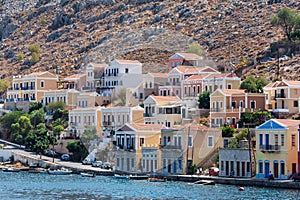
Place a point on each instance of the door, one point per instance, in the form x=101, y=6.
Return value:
x=174, y=166
x=282, y=104
x=276, y=170
x=267, y=141
x=294, y=168
x=267, y=169
x=238, y=168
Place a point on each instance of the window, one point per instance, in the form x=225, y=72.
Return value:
x=180, y=164
x=260, y=167
x=142, y=141
x=210, y=141
x=253, y=104
x=276, y=139
x=282, y=139
x=179, y=141
x=293, y=140
x=281, y=167
x=229, y=86
x=190, y=141
x=222, y=165
x=42, y=84
x=175, y=140
x=126, y=70
x=295, y=103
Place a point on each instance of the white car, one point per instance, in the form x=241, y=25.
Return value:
x=284, y=57
x=96, y=163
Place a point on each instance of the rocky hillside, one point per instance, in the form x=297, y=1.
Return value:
x=74, y=32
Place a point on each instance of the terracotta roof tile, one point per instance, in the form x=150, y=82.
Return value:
x=159, y=75
x=146, y=127
x=187, y=69
x=234, y=91
x=190, y=56
x=288, y=122
x=292, y=83
x=129, y=61
x=222, y=75
x=197, y=77
x=165, y=99
x=75, y=76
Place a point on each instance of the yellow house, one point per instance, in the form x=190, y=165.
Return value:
x=29, y=88
x=283, y=98
x=69, y=97
x=138, y=147
x=277, y=148
x=184, y=146
x=162, y=110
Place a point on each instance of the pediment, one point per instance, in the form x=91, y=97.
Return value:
x=271, y=124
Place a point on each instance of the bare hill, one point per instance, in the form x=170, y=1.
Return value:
x=73, y=33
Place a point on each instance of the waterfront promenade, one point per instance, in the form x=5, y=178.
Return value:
x=78, y=167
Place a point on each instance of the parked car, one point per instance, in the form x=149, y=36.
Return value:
x=51, y=153
x=96, y=164
x=87, y=161
x=65, y=157
x=266, y=59
x=284, y=57
x=106, y=165
x=213, y=171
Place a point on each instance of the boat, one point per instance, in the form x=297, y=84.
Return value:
x=241, y=188
x=205, y=182
x=84, y=174
x=62, y=171
x=155, y=179
x=118, y=176
x=10, y=169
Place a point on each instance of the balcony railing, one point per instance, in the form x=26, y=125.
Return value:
x=170, y=146
x=148, y=115
x=280, y=96
x=20, y=99
x=269, y=148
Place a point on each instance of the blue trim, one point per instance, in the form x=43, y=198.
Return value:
x=275, y=161
x=271, y=124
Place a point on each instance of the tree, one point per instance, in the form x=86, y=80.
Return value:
x=53, y=106
x=227, y=131
x=35, y=106
x=254, y=85
x=40, y=139
x=57, y=129
x=256, y=118
x=204, y=100
x=7, y=120
x=20, y=129
x=37, y=117
x=78, y=150
x=195, y=48
x=3, y=87
x=287, y=19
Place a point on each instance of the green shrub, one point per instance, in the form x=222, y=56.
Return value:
x=34, y=48
x=20, y=56
x=43, y=21
x=34, y=57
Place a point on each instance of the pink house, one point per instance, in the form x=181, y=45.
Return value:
x=187, y=59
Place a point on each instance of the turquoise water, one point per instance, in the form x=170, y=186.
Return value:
x=25, y=185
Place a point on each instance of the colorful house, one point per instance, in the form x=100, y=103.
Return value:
x=188, y=59
x=138, y=147
x=277, y=148
x=283, y=98
x=226, y=106
x=162, y=110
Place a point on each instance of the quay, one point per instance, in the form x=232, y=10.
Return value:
x=29, y=158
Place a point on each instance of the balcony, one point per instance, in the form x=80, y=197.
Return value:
x=107, y=123
x=170, y=146
x=280, y=95
x=215, y=110
x=148, y=115
x=269, y=148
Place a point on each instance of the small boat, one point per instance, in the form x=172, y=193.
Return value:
x=205, y=182
x=155, y=179
x=83, y=174
x=118, y=176
x=62, y=171
x=11, y=169
x=241, y=188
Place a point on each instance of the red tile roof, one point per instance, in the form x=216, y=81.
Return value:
x=197, y=77
x=187, y=69
x=165, y=99
x=159, y=75
x=222, y=75
x=147, y=127
x=292, y=83
x=75, y=76
x=190, y=56
x=129, y=61
x=288, y=122
x=234, y=91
